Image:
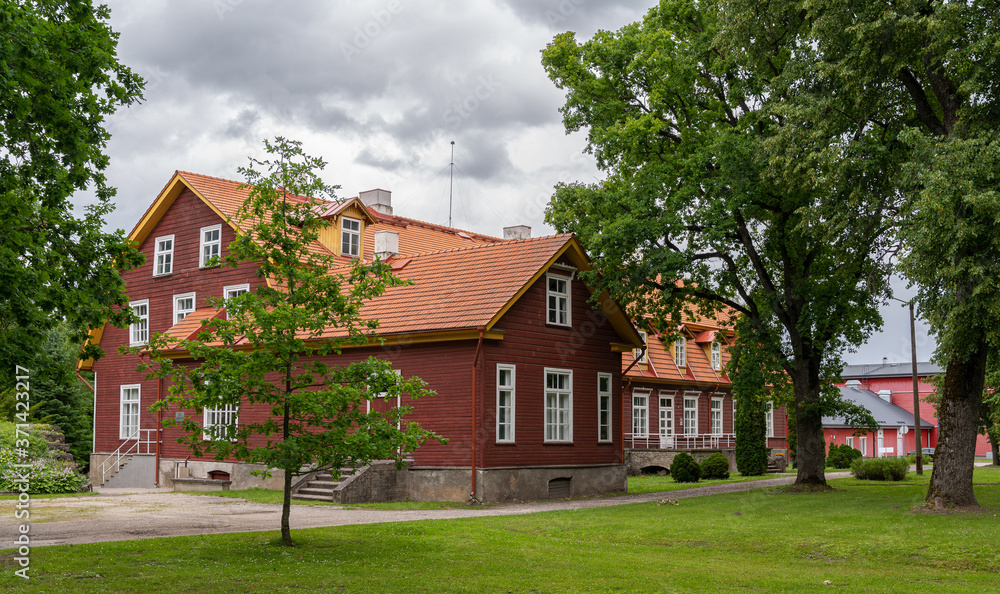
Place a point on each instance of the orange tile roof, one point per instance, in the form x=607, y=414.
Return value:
x=663, y=368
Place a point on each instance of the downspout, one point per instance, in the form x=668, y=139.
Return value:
x=475, y=426
x=626, y=383
x=159, y=430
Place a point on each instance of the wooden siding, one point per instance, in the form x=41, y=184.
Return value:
x=184, y=220
x=532, y=345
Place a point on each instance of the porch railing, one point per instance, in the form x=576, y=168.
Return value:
x=134, y=445
x=703, y=441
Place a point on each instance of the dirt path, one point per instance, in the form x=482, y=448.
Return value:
x=122, y=514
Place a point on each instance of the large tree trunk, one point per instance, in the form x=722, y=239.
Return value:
x=810, y=454
x=995, y=448
x=958, y=425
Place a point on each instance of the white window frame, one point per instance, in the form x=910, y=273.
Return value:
x=567, y=300
x=507, y=428
x=163, y=259
x=716, y=355
x=769, y=419
x=213, y=416
x=680, y=352
x=640, y=413
x=665, y=418
x=203, y=245
x=128, y=411
x=850, y=441
x=863, y=442
x=183, y=313
x=554, y=424
x=353, y=237
x=691, y=428
x=716, y=415
x=138, y=332
x=605, y=407
x=227, y=292
x=642, y=354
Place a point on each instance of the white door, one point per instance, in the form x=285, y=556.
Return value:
x=666, y=422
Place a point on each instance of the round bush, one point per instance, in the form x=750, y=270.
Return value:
x=880, y=469
x=842, y=456
x=684, y=469
x=715, y=466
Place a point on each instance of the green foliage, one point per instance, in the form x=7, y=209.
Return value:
x=61, y=79
x=715, y=466
x=684, y=469
x=44, y=473
x=842, y=456
x=880, y=469
x=773, y=208
x=924, y=459
x=37, y=448
x=294, y=325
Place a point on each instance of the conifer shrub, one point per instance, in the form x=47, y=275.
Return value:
x=880, y=469
x=842, y=456
x=684, y=469
x=715, y=466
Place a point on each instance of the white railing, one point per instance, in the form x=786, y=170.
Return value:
x=134, y=442
x=703, y=441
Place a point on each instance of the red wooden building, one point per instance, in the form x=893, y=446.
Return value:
x=677, y=397
x=539, y=420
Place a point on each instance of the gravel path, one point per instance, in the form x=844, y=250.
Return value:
x=125, y=514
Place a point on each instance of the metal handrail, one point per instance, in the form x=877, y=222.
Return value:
x=118, y=454
x=700, y=441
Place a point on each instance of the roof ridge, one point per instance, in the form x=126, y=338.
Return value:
x=435, y=226
x=488, y=245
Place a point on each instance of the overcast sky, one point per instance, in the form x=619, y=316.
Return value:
x=379, y=90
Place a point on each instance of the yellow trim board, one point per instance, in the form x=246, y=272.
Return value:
x=94, y=339
x=163, y=202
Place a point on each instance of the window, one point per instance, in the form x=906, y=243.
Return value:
x=211, y=245
x=558, y=405
x=505, y=403
x=640, y=354
x=138, y=333
x=235, y=290
x=128, y=420
x=183, y=305
x=220, y=422
x=690, y=415
x=350, y=237
x=716, y=416
x=640, y=414
x=770, y=419
x=164, y=255
x=557, y=292
x=604, y=407
x=680, y=352
x=716, y=356
x=850, y=441
x=864, y=445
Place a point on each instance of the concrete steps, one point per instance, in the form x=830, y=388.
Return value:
x=323, y=486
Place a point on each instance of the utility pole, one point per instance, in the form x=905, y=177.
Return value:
x=451, y=181
x=916, y=393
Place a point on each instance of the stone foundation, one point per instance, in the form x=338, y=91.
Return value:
x=637, y=460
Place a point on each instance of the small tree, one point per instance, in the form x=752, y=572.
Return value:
x=273, y=349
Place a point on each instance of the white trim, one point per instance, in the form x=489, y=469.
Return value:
x=642, y=354
x=185, y=312
x=226, y=415
x=640, y=412
x=863, y=443
x=565, y=268
x=690, y=429
x=716, y=355
x=680, y=352
x=553, y=421
x=211, y=245
x=665, y=429
x=354, y=243
x=126, y=417
x=715, y=408
x=608, y=426
x=167, y=266
x=138, y=333
x=769, y=419
x=245, y=287
x=850, y=441
x=564, y=298
x=510, y=416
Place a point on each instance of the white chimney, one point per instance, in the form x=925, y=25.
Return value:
x=386, y=244
x=379, y=200
x=517, y=232
x=885, y=395
x=853, y=383
x=885, y=360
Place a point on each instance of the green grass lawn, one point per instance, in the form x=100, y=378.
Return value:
x=863, y=536
x=651, y=483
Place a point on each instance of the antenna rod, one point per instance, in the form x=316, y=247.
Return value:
x=451, y=181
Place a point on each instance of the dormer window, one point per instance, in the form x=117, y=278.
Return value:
x=557, y=294
x=350, y=237
x=716, y=355
x=680, y=352
x=640, y=354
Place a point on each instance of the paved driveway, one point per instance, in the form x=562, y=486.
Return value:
x=125, y=514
